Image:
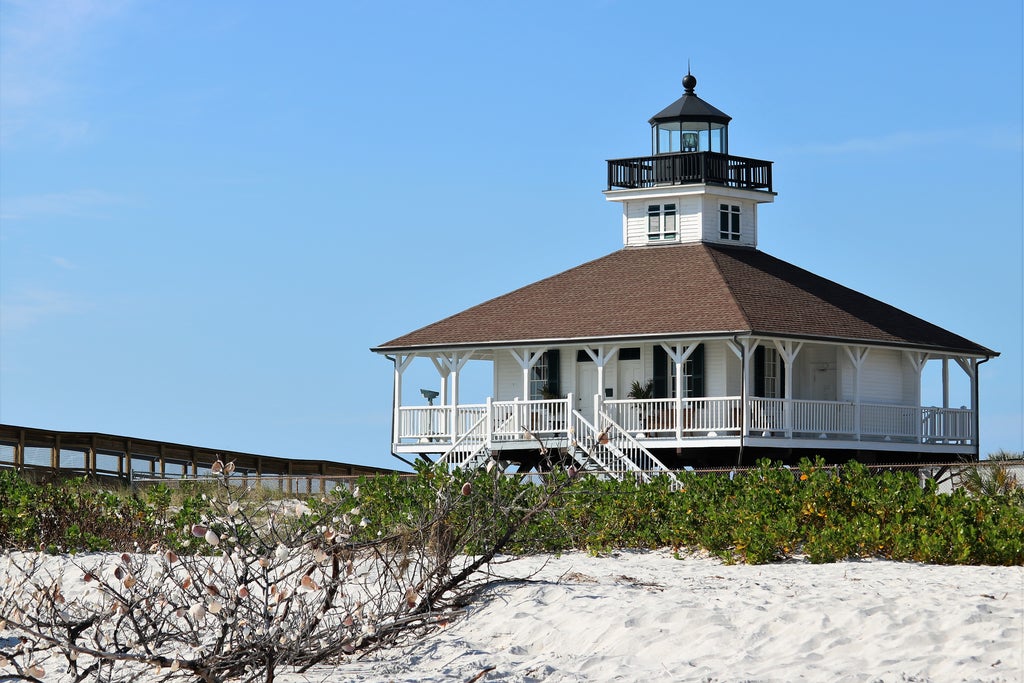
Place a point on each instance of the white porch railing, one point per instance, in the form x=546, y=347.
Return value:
x=513, y=419
x=424, y=423
x=776, y=417
x=947, y=425
x=664, y=418
x=658, y=417
x=781, y=417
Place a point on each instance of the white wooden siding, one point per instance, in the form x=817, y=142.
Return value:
x=508, y=377
x=881, y=378
x=712, y=222
x=636, y=223
x=714, y=368
x=811, y=360
x=911, y=385
x=733, y=373
x=688, y=220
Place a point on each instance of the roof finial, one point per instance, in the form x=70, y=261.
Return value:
x=689, y=82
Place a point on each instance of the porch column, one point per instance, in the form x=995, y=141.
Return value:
x=679, y=357
x=745, y=353
x=739, y=352
x=452, y=365
x=788, y=351
x=401, y=363
x=444, y=400
x=945, y=383
x=600, y=356
x=970, y=367
x=917, y=361
x=489, y=426
x=857, y=356
x=527, y=359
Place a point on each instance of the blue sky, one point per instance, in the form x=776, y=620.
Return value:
x=210, y=211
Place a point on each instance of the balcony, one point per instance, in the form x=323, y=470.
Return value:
x=690, y=168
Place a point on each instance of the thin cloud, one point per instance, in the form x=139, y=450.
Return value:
x=76, y=203
x=40, y=45
x=62, y=262
x=26, y=309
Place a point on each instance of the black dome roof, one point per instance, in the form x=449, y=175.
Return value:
x=689, y=108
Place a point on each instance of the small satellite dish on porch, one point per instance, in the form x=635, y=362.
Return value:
x=430, y=395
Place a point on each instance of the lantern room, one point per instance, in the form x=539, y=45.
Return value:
x=690, y=125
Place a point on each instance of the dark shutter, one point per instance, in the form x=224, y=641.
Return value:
x=759, y=371
x=697, y=359
x=660, y=372
x=554, y=368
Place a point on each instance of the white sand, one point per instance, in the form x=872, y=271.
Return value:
x=649, y=617
x=638, y=616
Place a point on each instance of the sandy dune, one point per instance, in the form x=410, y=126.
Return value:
x=648, y=616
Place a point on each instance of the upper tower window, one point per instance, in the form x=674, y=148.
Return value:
x=729, y=222
x=661, y=222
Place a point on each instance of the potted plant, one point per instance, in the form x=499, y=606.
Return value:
x=642, y=391
x=645, y=390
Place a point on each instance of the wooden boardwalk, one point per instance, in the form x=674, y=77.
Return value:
x=46, y=454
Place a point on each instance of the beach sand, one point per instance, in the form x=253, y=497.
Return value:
x=647, y=616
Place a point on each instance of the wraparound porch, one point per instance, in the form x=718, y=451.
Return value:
x=683, y=423
x=686, y=402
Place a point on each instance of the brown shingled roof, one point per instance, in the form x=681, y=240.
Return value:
x=682, y=290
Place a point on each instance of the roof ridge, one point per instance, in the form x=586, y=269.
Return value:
x=715, y=253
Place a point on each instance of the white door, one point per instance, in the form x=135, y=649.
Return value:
x=823, y=381
x=586, y=389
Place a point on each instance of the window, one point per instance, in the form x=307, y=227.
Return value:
x=729, y=222
x=769, y=373
x=661, y=222
x=544, y=377
x=665, y=374
x=629, y=353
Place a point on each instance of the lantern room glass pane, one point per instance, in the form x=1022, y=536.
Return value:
x=668, y=140
x=718, y=140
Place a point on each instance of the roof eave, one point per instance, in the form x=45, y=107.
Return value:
x=980, y=351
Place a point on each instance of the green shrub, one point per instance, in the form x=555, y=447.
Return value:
x=765, y=514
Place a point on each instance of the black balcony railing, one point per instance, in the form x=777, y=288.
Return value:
x=688, y=168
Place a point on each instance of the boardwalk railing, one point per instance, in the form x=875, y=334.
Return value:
x=48, y=453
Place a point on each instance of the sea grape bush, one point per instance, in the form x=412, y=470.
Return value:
x=761, y=515
x=765, y=514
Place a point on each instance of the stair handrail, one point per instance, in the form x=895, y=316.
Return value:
x=619, y=435
x=472, y=431
x=579, y=427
